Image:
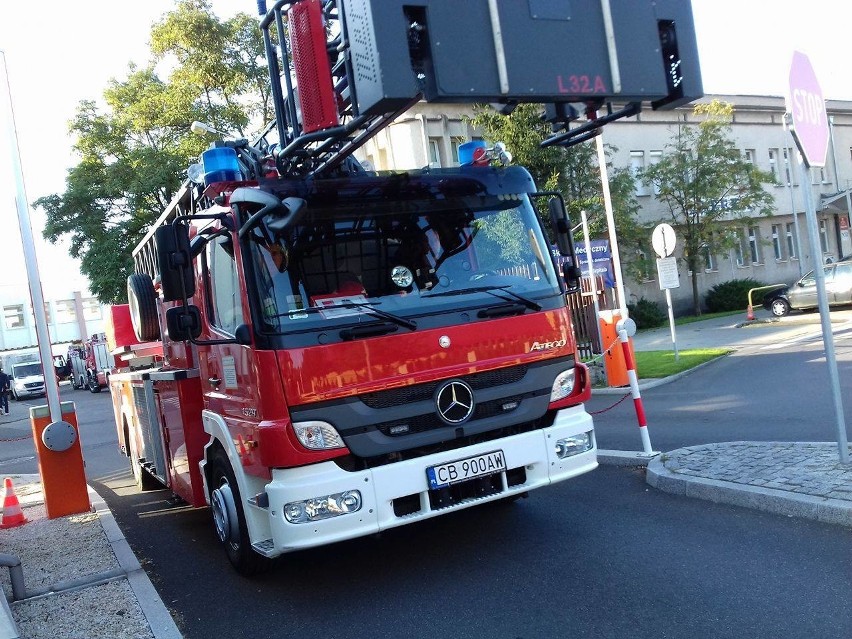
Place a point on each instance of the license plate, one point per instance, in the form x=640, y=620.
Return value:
x=468, y=468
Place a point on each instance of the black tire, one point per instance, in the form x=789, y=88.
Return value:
x=779, y=307
x=145, y=481
x=238, y=549
x=142, y=300
x=94, y=387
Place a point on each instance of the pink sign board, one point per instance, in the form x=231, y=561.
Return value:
x=807, y=106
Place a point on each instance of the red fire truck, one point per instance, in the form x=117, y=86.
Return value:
x=90, y=363
x=320, y=352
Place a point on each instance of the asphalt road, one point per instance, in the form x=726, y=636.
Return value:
x=771, y=389
x=603, y=555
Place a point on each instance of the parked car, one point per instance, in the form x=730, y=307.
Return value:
x=803, y=294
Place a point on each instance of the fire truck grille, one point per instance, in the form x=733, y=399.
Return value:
x=430, y=421
x=420, y=392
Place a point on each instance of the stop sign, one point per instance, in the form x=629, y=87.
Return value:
x=810, y=124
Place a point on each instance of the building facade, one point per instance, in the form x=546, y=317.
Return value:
x=71, y=315
x=773, y=249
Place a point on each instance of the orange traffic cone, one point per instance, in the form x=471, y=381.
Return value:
x=12, y=513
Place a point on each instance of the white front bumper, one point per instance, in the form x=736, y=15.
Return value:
x=535, y=451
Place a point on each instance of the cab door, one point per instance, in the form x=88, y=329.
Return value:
x=227, y=369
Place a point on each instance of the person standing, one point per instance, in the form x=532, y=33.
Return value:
x=4, y=392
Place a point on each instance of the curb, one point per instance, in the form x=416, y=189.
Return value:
x=159, y=619
x=779, y=502
x=625, y=458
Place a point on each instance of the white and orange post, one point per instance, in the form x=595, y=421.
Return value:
x=626, y=328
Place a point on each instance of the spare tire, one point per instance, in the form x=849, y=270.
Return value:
x=142, y=300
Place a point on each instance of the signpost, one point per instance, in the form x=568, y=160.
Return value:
x=810, y=132
x=663, y=239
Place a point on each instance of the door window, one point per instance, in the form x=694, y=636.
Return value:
x=225, y=305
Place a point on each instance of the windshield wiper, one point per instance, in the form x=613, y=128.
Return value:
x=533, y=306
x=369, y=308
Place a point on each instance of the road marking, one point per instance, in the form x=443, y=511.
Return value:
x=16, y=460
x=839, y=332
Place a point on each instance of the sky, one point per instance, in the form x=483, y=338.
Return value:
x=63, y=52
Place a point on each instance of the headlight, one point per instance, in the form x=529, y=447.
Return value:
x=318, y=435
x=318, y=508
x=574, y=445
x=562, y=386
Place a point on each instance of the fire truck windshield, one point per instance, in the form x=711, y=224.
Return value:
x=409, y=262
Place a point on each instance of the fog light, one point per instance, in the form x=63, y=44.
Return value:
x=574, y=445
x=325, y=507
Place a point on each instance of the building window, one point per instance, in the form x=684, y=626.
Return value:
x=754, y=244
x=776, y=242
x=773, y=164
x=823, y=235
x=455, y=143
x=788, y=173
x=13, y=316
x=653, y=158
x=791, y=240
x=434, y=153
x=637, y=165
x=709, y=259
x=739, y=250
x=91, y=309
x=749, y=156
x=66, y=311
x=46, y=313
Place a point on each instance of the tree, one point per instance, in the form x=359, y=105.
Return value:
x=708, y=186
x=573, y=171
x=134, y=148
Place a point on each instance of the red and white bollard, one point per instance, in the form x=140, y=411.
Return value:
x=626, y=328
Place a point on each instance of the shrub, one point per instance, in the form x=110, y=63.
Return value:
x=646, y=314
x=730, y=296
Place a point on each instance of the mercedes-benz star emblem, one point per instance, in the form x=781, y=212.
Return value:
x=455, y=402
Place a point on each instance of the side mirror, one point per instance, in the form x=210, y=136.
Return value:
x=572, y=275
x=183, y=323
x=561, y=229
x=177, y=281
x=283, y=213
x=296, y=209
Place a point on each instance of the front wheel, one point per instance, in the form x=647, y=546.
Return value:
x=145, y=481
x=780, y=307
x=229, y=518
x=94, y=387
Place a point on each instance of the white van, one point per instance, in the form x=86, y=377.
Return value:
x=27, y=380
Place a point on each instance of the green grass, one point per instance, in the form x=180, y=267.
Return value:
x=651, y=364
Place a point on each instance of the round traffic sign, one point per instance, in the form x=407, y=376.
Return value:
x=663, y=240
x=810, y=124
